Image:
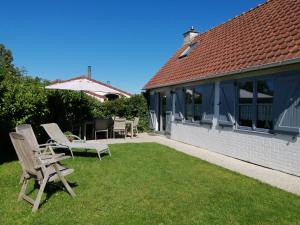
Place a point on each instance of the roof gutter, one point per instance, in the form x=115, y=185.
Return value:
x=243, y=70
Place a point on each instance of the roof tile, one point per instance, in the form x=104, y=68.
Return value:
x=267, y=34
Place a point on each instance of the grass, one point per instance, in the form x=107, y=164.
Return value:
x=149, y=184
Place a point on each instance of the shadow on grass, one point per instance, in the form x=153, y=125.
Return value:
x=50, y=189
x=54, y=188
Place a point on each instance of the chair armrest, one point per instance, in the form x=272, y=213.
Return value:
x=50, y=161
x=51, y=141
x=43, y=157
x=48, y=150
x=74, y=136
x=44, y=145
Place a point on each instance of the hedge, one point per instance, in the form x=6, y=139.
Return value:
x=23, y=99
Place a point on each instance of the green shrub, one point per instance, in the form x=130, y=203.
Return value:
x=136, y=106
x=24, y=99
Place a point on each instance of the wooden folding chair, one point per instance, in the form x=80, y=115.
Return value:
x=42, y=169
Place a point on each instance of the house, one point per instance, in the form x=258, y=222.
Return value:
x=235, y=89
x=96, y=89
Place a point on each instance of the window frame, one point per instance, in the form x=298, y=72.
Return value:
x=198, y=89
x=185, y=105
x=188, y=50
x=254, y=116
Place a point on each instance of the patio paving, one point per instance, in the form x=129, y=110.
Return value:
x=275, y=178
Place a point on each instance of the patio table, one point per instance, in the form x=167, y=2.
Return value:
x=129, y=123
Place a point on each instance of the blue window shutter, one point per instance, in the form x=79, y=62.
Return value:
x=179, y=104
x=227, y=99
x=208, y=103
x=287, y=104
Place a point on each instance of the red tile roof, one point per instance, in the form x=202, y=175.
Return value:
x=267, y=34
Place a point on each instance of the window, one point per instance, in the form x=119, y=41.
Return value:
x=187, y=51
x=193, y=104
x=265, y=93
x=246, y=103
x=189, y=104
x=197, y=104
x=255, y=103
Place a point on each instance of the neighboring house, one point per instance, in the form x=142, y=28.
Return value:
x=235, y=89
x=91, y=87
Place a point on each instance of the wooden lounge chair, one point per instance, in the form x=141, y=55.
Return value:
x=135, y=125
x=119, y=126
x=42, y=170
x=43, y=149
x=61, y=141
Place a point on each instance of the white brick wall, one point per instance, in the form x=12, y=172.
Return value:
x=279, y=152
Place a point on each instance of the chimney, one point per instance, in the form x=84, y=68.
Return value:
x=189, y=36
x=89, y=72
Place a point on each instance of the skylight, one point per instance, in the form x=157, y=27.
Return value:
x=187, y=51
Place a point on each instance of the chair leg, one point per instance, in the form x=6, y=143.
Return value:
x=40, y=193
x=22, y=178
x=63, y=180
x=71, y=153
x=108, y=150
x=23, y=189
x=99, y=155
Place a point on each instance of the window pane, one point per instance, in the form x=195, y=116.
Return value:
x=189, y=104
x=197, y=105
x=187, y=51
x=265, y=93
x=245, y=103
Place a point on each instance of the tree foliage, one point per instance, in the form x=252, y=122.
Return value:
x=24, y=99
x=136, y=106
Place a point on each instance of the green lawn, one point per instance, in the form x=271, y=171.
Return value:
x=149, y=184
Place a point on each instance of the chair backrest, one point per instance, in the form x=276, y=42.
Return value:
x=55, y=133
x=136, y=121
x=120, y=124
x=102, y=124
x=25, y=154
x=27, y=131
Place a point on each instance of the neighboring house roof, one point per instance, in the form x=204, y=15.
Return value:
x=266, y=35
x=89, y=86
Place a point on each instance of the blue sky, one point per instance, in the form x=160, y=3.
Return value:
x=125, y=42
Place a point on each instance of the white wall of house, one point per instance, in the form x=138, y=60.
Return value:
x=280, y=152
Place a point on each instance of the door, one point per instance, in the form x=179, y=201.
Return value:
x=162, y=113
